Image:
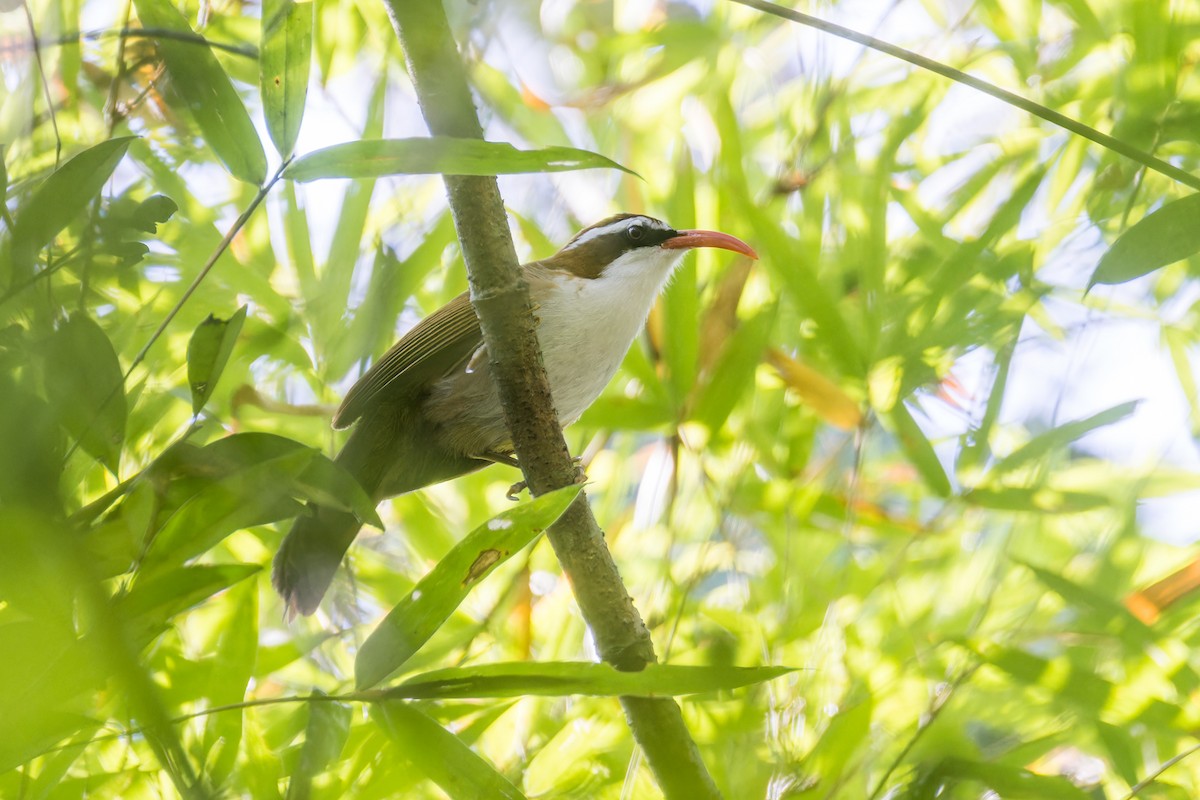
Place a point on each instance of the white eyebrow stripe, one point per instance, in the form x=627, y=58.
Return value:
x=614, y=227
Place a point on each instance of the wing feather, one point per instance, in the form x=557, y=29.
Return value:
x=431, y=349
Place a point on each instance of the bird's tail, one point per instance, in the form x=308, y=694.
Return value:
x=310, y=555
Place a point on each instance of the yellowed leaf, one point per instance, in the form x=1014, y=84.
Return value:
x=819, y=393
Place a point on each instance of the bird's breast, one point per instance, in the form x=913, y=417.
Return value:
x=584, y=325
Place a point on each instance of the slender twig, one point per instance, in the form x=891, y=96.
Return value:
x=1166, y=765
x=1049, y=115
x=50, y=269
x=244, y=50
x=233, y=231
x=134, y=730
x=110, y=113
x=936, y=704
x=37, y=55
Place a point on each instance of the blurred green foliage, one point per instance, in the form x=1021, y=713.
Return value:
x=804, y=463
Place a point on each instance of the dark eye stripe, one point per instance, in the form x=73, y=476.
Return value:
x=650, y=237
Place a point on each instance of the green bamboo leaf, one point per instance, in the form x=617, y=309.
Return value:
x=160, y=597
x=1061, y=436
x=439, y=154
x=1164, y=236
x=626, y=413
x=84, y=380
x=559, y=678
x=147, y=608
x=435, y=597
x=919, y=450
x=1005, y=780
x=1069, y=684
x=733, y=373
x=208, y=352
x=198, y=78
x=1041, y=499
x=285, y=56
x=324, y=739
x=64, y=194
x=440, y=755
x=327, y=308
x=229, y=678
x=252, y=496
x=323, y=481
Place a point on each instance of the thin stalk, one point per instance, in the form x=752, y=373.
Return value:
x=958, y=76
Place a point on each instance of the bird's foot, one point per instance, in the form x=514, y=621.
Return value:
x=515, y=490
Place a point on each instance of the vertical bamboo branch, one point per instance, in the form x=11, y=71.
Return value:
x=500, y=296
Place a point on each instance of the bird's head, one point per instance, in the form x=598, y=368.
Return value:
x=633, y=244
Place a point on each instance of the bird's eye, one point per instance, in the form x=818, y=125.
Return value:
x=635, y=232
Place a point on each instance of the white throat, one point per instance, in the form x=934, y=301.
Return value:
x=587, y=324
x=585, y=327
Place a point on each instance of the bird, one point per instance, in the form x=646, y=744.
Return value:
x=427, y=411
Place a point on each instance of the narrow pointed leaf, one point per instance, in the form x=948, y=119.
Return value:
x=1061, y=436
x=198, y=78
x=324, y=739
x=919, y=450
x=1004, y=780
x=443, y=757
x=323, y=481
x=1037, y=499
x=84, y=380
x=559, y=678
x=439, y=154
x=1160, y=238
x=435, y=597
x=285, y=56
x=208, y=352
x=252, y=496
x=66, y=193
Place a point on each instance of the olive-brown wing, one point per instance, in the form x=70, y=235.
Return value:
x=434, y=347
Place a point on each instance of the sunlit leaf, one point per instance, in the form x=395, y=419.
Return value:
x=441, y=755
x=822, y=395
x=438, y=154
x=322, y=481
x=919, y=450
x=150, y=603
x=435, y=597
x=732, y=374
x=1037, y=499
x=559, y=678
x=198, y=78
x=1061, y=436
x=324, y=738
x=1006, y=781
x=1162, y=237
x=255, y=495
x=64, y=194
x=232, y=671
x=208, y=352
x=284, y=58
x=85, y=383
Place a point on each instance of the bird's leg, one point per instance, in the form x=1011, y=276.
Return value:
x=508, y=460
